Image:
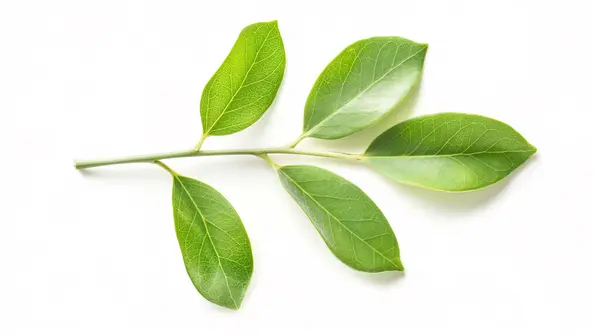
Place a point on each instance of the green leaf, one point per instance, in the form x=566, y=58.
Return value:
x=215, y=247
x=449, y=151
x=349, y=222
x=246, y=84
x=363, y=83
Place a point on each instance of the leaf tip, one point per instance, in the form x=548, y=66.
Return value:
x=399, y=266
x=231, y=305
x=234, y=307
x=274, y=23
x=534, y=149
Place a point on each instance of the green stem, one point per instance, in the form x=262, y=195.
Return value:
x=199, y=144
x=153, y=158
x=268, y=160
x=167, y=168
x=295, y=143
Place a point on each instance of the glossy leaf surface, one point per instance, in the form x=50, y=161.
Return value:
x=364, y=82
x=449, y=151
x=351, y=225
x=215, y=247
x=247, y=82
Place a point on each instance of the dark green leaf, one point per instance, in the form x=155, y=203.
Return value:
x=215, y=247
x=449, y=151
x=364, y=82
x=246, y=84
x=349, y=222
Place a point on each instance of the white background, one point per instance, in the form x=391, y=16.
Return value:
x=93, y=252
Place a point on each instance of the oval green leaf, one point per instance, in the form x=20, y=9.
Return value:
x=351, y=225
x=363, y=83
x=215, y=247
x=449, y=151
x=246, y=84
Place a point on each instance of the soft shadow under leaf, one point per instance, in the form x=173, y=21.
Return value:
x=449, y=151
x=246, y=84
x=349, y=222
x=214, y=244
x=366, y=81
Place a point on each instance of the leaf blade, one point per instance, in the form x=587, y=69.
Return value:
x=346, y=98
x=449, y=152
x=214, y=244
x=246, y=84
x=354, y=229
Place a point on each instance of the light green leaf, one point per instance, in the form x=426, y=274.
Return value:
x=449, y=151
x=349, y=222
x=364, y=82
x=215, y=247
x=246, y=84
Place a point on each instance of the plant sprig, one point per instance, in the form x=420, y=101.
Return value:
x=450, y=152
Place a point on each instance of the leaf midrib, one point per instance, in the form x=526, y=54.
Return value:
x=444, y=155
x=336, y=112
x=242, y=83
x=209, y=239
x=338, y=220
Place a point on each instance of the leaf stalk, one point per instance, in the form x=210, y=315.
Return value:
x=165, y=167
x=199, y=144
x=297, y=141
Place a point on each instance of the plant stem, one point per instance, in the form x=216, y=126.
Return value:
x=153, y=158
x=268, y=160
x=165, y=167
x=295, y=143
x=199, y=144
